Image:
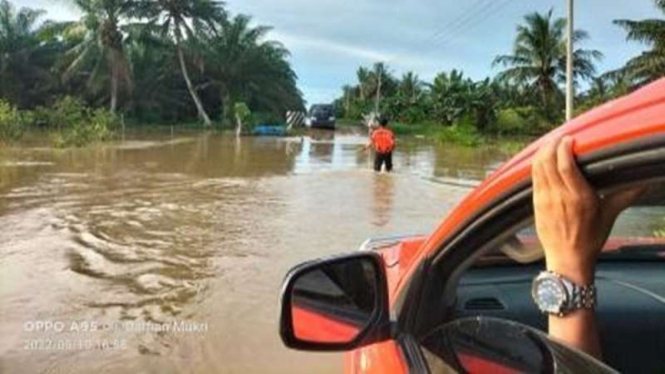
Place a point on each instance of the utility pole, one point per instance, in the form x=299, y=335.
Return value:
x=570, y=90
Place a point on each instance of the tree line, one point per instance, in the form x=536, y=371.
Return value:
x=526, y=97
x=151, y=60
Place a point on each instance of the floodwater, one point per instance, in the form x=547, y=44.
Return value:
x=103, y=246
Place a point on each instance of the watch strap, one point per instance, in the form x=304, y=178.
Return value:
x=582, y=297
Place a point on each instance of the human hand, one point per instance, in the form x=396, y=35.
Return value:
x=572, y=221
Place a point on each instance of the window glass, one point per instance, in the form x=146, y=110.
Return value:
x=638, y=232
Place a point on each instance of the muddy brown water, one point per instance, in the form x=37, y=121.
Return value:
x=101, y=247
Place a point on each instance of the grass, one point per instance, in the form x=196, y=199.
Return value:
x=457, y=134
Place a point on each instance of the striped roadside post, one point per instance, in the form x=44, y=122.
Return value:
x=294, y=119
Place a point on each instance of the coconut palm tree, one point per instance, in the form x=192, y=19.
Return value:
x=20, y=68
x=539, y=57
x=650, y=65
x=178, y=19
x=99, y=44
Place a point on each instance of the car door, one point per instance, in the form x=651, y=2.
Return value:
x=618, y=144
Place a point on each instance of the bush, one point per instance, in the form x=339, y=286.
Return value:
x=94, y=126
x=461, y=134
x=12, y=124
x=67, y=112
x=525, y=120
x=75, y=124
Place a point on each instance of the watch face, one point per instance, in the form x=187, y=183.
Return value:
x=549, y=293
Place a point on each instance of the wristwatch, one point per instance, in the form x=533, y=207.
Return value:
x=556, y=295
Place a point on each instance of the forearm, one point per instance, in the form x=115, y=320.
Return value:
x=579, y=330
x=573, y=223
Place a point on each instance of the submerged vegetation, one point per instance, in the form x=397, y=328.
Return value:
x=525, y=98
x=170, y=61
x=11, y=123
x=69, y=122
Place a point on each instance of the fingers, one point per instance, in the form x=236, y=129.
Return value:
x=545, y=167
x=568, y=170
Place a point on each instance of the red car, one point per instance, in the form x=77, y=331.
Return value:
x=459, y=300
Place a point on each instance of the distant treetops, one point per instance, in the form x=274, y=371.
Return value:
x=156, y=61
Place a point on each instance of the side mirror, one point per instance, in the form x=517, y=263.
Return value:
x=492, y=345
x=337, y=304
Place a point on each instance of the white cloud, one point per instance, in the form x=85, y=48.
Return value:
x=326, y=46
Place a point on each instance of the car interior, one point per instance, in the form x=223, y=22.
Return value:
x=629, y=278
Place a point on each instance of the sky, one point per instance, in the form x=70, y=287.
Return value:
x=330, y=39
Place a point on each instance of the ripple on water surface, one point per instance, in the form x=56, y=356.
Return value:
x=201, y=230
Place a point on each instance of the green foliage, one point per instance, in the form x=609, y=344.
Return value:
x=538, y=60
x=650, y=64
x=64, y=114
x=243, y=116
x=242, y=112
x=24, y=63
x=150, y=60
x=73, y=124
x=521, y=121
x=11, y=123
x=247, y=68
x=462, y=134
x=526, y=98
x=97, y=48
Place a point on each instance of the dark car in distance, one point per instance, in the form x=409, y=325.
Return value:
x=321, y=116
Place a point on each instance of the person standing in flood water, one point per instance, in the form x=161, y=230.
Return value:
x=382, y=140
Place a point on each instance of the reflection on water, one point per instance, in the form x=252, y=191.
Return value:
x=196, y=230
x=382, y=198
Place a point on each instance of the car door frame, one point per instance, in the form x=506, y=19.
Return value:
x=429, y=298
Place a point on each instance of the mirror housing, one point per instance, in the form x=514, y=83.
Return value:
x=492, y=345
x=335, y=304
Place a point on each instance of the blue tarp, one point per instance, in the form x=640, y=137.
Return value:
x=269, y=130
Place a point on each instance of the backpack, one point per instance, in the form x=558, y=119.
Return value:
x=384, y=140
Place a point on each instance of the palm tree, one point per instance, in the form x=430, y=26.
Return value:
x=450, y=93
x=100, y=44
x=650, y=65
x=246, y=68
x=178, y=19
x=380, y=82
x=20, y=71
x=539, y=57
x=363, y=76
x=159, y=93
x=347, y=96
x=604, y=88
x=410, y=86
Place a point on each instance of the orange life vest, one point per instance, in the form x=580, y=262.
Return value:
x=383, y=140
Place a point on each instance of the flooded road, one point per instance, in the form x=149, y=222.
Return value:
x=101, y=246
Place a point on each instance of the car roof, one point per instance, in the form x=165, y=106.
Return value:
x=638, y=116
